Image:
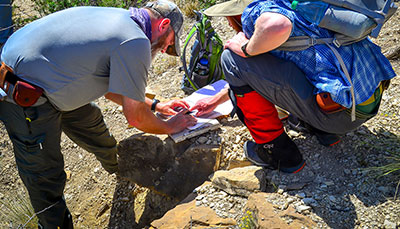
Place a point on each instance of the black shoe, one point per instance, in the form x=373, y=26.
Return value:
x=324, y=138
x=280, y=153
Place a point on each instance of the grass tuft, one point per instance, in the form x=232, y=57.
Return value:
x=16, y=212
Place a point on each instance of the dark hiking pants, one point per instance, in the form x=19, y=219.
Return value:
x=35, y=133
x=285, y=85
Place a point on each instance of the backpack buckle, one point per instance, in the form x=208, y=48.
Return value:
x=313, y=41
x=336, y=42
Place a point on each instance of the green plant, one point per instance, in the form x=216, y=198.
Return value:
x=17, y=213
x=247, y=221
x=44, y=7
x=389, y=168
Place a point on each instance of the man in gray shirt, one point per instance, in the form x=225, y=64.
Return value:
x=75, y=56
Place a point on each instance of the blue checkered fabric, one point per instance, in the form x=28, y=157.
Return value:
x=364, y=60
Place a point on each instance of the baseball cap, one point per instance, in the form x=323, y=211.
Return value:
x=229, y=8
x=169, y=10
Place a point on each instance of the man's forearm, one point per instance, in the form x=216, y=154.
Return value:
x=140, y=116
x=222, y=96
x=116, y=98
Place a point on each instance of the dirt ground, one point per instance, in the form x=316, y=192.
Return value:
x=91, y=193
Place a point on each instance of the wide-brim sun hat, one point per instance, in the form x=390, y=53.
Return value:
x=229, y=8
x=169, y=10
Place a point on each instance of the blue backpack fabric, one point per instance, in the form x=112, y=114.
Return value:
x=6, y=27
x=350, y=20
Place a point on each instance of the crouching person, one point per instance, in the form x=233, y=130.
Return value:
x=311, y=84
x=53, y=68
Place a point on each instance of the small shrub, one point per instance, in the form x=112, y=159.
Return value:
x=392, y=167
x=45, y=7
x=16, y=213
x=247, y=221
x=42, y=8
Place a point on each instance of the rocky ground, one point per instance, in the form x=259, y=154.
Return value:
x=334, y=190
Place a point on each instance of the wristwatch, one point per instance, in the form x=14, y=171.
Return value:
x=153, y=105
x=244, y=50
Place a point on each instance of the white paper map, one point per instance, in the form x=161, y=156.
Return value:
x=208, y=122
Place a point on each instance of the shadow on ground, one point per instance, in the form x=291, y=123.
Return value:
x=338, y=180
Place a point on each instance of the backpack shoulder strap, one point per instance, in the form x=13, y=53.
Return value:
x=188, y=73
x=304, y=42
x=196, y=30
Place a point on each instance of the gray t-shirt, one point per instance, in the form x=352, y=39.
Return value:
x=79, y=54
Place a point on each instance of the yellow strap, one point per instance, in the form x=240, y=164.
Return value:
x=372, y=98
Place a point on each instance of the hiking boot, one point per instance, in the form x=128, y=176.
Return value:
x=324, y=138
x=280, y=153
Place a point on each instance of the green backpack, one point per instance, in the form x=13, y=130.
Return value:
x=204, y=66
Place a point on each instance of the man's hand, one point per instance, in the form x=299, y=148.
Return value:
x=170, y=107
x=180, y=121
x=207, y=105
x=235, y=44
x=139, y=115
x=204, y=106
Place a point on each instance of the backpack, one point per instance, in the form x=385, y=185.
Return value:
x=204, y=66
x=350, y=20
x=6, y=26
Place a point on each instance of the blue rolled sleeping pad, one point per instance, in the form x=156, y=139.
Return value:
x=6, y=27
x=353, y=18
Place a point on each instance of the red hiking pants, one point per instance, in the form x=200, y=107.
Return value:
x=260, y=116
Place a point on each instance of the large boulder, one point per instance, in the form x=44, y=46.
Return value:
x=240, y=181
x=262, y=214
x=189, y=216
x=172, y=169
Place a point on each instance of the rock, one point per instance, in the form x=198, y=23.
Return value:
x=240, y=181
x=164, y=166
x=68, y=174
x=308, y=201
x=238, y=164
x=266, y=216
x=389, y=225
x=302, y=208
x=295, y=186
x=301, y=195
x=188, y=215
x=383, y=189
x=202, y=140
x=102, y=210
